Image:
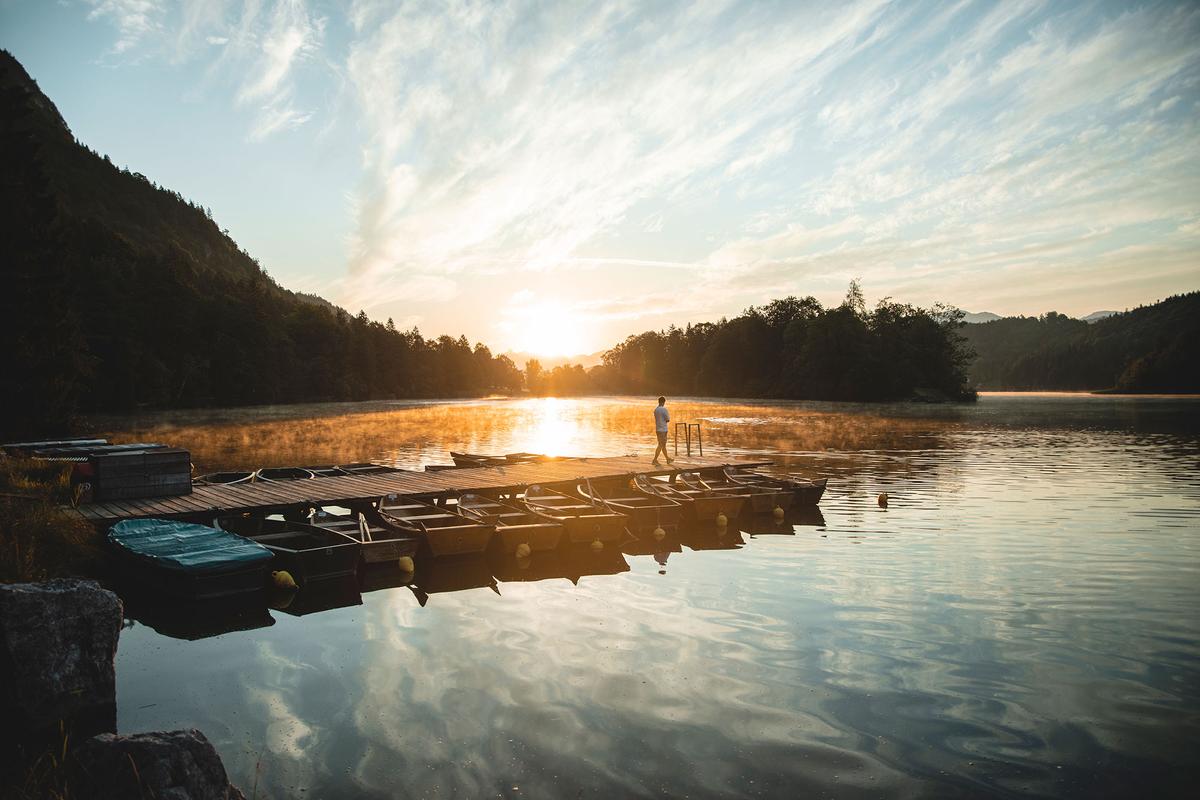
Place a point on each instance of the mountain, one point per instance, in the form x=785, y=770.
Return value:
x=1096, y=316
x=584, y=360
x=982, y=316
x=1153, y=348
x=121, y=294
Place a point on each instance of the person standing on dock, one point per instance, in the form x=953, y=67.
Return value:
x=662, y=424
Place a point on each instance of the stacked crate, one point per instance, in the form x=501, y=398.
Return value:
x=131, y=474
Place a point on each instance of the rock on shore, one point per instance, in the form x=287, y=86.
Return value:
x=180, y=765
x=57, y=644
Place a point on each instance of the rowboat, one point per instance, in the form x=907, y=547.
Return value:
x=583, y=520
x=444, y=531
x=473, y=460
x=514, y=526
x=308, y=553
x=214, y=478
x=762, y=499
x=188, y=561
x=381, y=542
x=698, y=504
x=646, y=512
x=367, y=468
x=326, y=471
x=805, y=492
x=481, y=460
x=282, y=474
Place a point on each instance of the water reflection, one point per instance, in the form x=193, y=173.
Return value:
x=1022, y=620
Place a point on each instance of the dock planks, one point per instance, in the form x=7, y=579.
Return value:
x=343, y=489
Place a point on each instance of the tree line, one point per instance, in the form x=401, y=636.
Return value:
x=789, y=348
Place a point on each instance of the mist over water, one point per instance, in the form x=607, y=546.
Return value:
x=1023, y=619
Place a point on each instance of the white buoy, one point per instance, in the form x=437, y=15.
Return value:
x=523, y=550
x=406, y=564
x=778, y=512
x=722, y=520
x=883, y=499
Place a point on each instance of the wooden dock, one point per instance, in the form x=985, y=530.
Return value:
x=279, y=496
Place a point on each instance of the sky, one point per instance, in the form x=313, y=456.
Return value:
x=551, y=177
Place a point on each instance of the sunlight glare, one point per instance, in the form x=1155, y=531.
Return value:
x=548, y=329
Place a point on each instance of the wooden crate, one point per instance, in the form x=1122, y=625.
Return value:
x=131, y=474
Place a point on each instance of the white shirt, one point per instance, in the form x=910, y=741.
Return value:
x=661, y=418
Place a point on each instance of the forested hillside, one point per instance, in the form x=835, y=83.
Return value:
x=1154, y=348
x=796, y=348
x=119, y=293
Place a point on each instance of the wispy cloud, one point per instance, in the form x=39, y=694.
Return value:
x=135, y=20
x=715, y=154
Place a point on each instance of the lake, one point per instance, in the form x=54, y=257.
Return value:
x=1022, y=619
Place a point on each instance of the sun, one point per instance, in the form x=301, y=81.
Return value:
x=547, y=328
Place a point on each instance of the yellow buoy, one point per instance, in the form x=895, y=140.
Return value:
x=722, y=520
x=523, y=550
x=778, y=514
x=883, y=500
x=283, y=580
x=406, y=564
x=659, y=534
x=597, y=545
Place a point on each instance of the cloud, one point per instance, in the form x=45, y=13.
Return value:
x=713, y=155
x=135, y=20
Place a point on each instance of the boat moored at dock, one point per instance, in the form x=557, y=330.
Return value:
x=307, y=552
x=189, y=561
x=701, y=505
x=514, y=526
x=444, y=531
x=760, y=499
x=381, y=542
x=646, y=512
x=585, y=521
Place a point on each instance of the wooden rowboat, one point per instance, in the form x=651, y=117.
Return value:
x=805, y=492
x=381, y=542
x=307, y=552
x=645, y=511
x=698, y=504
x=444, y=531
x=214, y=478
x=482, y=460
x=514, y=526
x=761, y=499
x=282, y=474
x=584, y=521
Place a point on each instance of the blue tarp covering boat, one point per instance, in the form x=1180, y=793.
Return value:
x=188, y=560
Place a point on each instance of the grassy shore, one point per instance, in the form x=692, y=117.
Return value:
x=39, y=540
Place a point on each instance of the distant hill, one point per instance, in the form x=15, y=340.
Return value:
x=585, y=360
x=1153, y=348
x=982, y=316
x=1096, y=316
x=121, y=294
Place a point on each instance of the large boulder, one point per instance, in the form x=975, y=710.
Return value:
x=166, y=765
x=57, y=644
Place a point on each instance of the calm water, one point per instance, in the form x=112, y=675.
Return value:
x=1022, y=620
